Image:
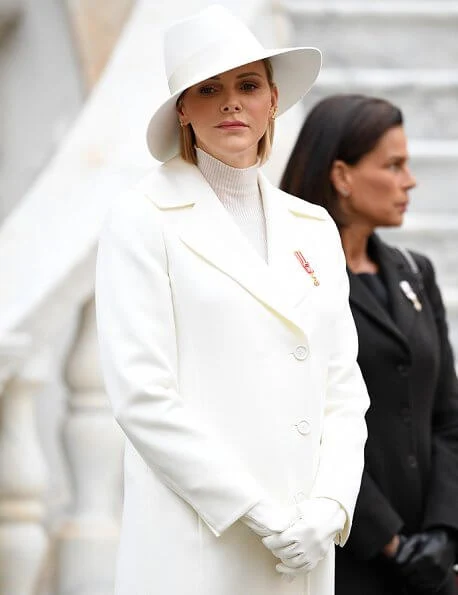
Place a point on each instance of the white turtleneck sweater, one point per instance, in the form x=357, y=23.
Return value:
x=238, y=191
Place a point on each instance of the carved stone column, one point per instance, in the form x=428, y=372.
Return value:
x=96, y=27
x=88, y=539
x=23, y=471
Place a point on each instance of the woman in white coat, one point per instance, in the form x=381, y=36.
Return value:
x=227, y=344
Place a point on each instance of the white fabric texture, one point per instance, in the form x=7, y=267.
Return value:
x=234, y=381
x=238, y=191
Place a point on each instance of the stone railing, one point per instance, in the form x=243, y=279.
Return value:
x=79, y=556
x=23, y=471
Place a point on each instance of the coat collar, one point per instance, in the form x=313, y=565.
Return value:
x=209, y=230
x=394, y=269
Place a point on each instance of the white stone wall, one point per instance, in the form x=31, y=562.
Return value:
x=40, y=94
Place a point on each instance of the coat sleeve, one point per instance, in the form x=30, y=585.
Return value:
x=138, y=349
x=344, y=430
x=441, y=507
x=375, y=521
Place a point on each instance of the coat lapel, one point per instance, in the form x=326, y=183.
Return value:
x=286, y=235
x=209, y=230
x=394, y=270
x=362, y=298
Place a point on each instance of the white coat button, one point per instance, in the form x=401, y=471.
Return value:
x=303, y=427
x=299, y=497
x=301, y=352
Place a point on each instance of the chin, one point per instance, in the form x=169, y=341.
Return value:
x=393, y=222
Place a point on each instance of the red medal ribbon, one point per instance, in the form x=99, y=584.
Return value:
x=306, y=266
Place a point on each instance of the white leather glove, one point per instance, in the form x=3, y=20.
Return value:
x=267, y=518
x=302, y=545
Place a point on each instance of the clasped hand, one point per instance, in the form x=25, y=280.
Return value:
x=425, y=559
x=307, y=540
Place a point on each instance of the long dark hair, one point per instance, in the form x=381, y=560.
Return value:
x=344, y=127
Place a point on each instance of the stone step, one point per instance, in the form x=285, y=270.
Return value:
x=435, y=166
x=386, y=34
x=435, y=235
x=428, y=98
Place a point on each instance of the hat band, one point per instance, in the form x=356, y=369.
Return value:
x=227, y=55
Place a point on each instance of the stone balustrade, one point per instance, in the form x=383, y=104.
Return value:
x=88, y=536
x=23, y=470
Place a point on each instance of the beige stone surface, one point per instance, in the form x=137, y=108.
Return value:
x=96, y=27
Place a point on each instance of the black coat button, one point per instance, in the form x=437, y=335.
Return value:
x=402, y=369
x=406, y=415
x=412, y=461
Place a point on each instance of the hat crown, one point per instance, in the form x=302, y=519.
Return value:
x=212, y=42
x=203, y=39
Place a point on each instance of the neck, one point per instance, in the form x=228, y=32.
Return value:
x=240, y=160
x=354, y=242
x=228, y=182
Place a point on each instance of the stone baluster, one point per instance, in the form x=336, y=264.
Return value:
x=87, y=539
x=23, y=471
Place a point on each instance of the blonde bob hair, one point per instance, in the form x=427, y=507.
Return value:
x=188, y=139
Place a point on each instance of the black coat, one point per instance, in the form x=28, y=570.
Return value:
x=410, y=481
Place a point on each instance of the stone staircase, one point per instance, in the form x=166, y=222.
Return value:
x=407, y=52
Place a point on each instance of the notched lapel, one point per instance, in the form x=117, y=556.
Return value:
x=362, y=297
x=397, y=270
x=394, y=270
x=284, y=238
x=209, y=230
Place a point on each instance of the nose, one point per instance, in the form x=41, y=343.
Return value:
x=410, y=181
x=230, y=108
x=230, y=104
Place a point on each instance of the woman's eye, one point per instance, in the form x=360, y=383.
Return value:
x=395, y=166
x=207, y=90
x=249, y=86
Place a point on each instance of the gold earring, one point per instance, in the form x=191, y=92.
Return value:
x=182, y=124
x=274, y=112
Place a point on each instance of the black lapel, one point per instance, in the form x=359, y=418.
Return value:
x=394, y=269
x=362, y=298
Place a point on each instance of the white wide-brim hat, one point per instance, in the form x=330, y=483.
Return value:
x=212, y=42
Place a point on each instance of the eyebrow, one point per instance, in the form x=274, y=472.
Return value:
x=239, y=76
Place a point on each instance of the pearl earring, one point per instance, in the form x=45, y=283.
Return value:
x=344, y=192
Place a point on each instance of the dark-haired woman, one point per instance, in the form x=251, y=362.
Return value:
x=351, y=157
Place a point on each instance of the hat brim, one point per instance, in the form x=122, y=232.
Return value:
x=295, y=71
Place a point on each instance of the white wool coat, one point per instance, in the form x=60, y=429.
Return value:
x=233, y=380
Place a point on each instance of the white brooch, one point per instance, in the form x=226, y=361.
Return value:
x=411, y=295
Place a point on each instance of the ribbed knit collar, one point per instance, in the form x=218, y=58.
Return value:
x=227, y=181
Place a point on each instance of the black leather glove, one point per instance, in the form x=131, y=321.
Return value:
x=425, y=559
